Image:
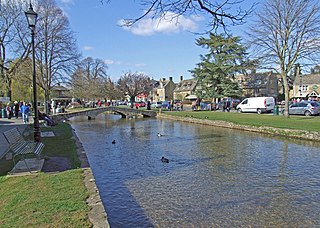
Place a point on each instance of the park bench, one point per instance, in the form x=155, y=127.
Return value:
x=22, y=147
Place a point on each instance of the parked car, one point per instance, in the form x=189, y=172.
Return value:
x=157, y=104
x=205, y=105
x=122, y=103
x=229, y=103
x=256, y=104
x=304, y=108
x=166, y=105
x=140, y=104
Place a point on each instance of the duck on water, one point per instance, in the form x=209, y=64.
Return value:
x=165, y=160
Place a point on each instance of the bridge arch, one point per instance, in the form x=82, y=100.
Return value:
x=92, y=113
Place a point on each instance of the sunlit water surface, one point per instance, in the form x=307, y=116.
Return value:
x=215, y=178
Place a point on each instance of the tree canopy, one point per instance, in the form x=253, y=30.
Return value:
x=220, y=13
x=89, y=79
x=13, y=41
x=132, y=84
x=56, y=48
x=215, y=73
x=287, y=32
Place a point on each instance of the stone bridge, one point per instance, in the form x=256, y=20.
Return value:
x=92, y=113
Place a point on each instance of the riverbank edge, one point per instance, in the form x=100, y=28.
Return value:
x=290, y=133
x=97, y=214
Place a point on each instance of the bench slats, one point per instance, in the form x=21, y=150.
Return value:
x=19, y=146
x=27, y=148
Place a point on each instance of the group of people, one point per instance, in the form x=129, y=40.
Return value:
x=16, y=108
x=13, y=110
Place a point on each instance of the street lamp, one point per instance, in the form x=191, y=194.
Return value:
x=32, y=20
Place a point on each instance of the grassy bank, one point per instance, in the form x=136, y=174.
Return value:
x=46, y=200
x=250, y=119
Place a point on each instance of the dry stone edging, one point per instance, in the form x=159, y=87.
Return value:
x=298, y=134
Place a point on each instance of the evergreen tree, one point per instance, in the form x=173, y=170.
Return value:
x=216, y=71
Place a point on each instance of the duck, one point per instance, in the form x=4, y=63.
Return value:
x=159, y=135
x=114, y=141
x=165, y=160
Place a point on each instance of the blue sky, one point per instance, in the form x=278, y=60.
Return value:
x=158, y=49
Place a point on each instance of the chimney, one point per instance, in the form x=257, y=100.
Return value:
x=181, y=78
x=163, y=79
x=170, y=78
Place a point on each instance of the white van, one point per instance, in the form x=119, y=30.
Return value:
x=256, y=104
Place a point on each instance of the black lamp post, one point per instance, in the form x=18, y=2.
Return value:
x=32, y=20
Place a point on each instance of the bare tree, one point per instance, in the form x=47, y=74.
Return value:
x=13, y=41
x=221, y=13
x=110, y=90
x=287, y=31
x=88, y=81
x=56, y=48
x=132, y=84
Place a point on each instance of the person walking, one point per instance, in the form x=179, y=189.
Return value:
x=25, y=110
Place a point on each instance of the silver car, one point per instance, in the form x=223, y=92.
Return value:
x=306, y=108
x=156, y=104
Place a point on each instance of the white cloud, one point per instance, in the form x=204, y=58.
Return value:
x=168, y=23
x=112, y=62
x=67, y=1
x=87, y=48
x=140, y=65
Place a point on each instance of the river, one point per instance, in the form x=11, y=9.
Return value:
x=215, y=177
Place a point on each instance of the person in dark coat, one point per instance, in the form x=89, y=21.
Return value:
x=16, y=108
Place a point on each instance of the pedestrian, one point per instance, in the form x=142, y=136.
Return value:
x=228, y=106
x=53, y=104
x=47, y=118
x=9, y=111
x=16, y=109
x=25, y=110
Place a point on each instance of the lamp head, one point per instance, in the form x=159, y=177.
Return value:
x=31, y=17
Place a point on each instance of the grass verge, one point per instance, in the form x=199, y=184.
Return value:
x=311, y=123
x=47, y=200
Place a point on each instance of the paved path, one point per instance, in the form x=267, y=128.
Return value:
x=7, y=124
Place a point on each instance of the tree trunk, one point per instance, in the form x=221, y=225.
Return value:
x=46, y=102
x=286, y=95
x=8, y=88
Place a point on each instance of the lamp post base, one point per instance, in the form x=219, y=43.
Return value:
x=37, y=134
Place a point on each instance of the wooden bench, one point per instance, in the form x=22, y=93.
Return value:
x=19, y=146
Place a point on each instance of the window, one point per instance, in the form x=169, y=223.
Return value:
x=303, y=88
x=303, y=105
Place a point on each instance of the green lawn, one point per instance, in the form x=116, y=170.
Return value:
x=251, y=119
x=46, y=200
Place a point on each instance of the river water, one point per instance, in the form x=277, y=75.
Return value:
x=215, y=178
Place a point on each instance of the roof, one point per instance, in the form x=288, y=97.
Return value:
x=186, y=85
x=59, y=88
x=308, y=79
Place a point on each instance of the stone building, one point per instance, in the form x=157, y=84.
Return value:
x=259, y=84
x=185, y=89
x=163, y=90
x=306, y=86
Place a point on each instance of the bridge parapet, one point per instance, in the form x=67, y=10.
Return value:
x=92, y=113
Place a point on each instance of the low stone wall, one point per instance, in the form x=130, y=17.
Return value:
x=298, y=134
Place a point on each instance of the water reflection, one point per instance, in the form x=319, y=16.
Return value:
x=215, y=177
